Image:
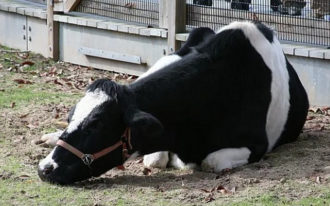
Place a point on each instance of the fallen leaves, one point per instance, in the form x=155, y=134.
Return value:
x=30, y=63
x=61, y=124
x=23, y=177
x=146, y=171
x=218, y=189
x=22, y=81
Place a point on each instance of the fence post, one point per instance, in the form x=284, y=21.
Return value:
x=163, y=15
x=53, y=34
x=176, y=22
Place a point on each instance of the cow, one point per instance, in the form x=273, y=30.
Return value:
x=230, y=100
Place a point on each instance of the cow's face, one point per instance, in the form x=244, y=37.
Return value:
x=97, y=122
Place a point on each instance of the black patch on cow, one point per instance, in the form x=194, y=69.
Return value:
x=106, y=85
x=196, y=37
x=203, y=96
x=267, y=32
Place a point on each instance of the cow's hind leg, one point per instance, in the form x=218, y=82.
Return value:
x=227, y=158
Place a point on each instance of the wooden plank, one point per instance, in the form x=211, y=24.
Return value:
x=176, y=23
x=70, y=5
x=53, y=32
x=129, y=5
x=116, y=10
x=163, y=14
x=110, y=55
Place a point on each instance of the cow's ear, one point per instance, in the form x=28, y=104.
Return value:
x=144, y=124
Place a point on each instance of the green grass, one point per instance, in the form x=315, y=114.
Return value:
x=37, y=93
x=31, y=94
x=273, y=200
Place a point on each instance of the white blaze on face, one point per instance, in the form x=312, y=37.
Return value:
x=274, y=58
x=85, y=106
x=48, y=161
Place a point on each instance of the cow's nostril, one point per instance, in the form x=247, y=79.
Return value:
x=48, y=169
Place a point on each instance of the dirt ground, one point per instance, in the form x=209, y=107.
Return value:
x=35, y=96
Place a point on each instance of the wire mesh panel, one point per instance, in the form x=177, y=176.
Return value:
x=302, y=21
x=138, y=11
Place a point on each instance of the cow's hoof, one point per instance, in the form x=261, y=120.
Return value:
x=51, y=138
x=157, y=159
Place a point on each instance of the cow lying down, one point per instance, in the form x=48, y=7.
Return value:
x=222, y=101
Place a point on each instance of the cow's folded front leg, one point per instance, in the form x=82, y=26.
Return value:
x=177, y=163
x=156, y=159
x=51, y=138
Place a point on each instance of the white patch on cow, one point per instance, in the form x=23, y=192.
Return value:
x=156, y=159
x=274, y=58
x=160, y=64
x=51, y=138
x=85, y=106
x=48, y=161
x=227, y=158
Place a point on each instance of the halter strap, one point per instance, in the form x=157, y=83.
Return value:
x=89, y=158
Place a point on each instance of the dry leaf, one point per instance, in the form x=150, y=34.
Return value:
x=56, y=81
x=146, y=171
x=209, y=198
x=121, y=167
x=61, y=124
x=24, y=115
x=27, y=63
x=23, y=177
x=205, y=190
x=310, y=118
x=22, y=81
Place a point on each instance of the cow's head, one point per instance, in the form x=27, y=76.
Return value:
x=97, y=122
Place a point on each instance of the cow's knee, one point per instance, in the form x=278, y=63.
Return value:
x=227, y=158
x=157, y=159
x=51, y=138
x=177, y=163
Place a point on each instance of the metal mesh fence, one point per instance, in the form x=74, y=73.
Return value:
x=139, y=11
x=302, y=21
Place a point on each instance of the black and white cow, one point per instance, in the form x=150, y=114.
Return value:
x=157, y=159
x=226, y=103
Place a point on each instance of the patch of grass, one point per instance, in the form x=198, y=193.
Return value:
x=23, y=95
x=34, y=192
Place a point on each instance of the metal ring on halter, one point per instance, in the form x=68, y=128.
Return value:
x=87, y=159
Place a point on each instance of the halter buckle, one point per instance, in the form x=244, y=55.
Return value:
x=87, y=159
